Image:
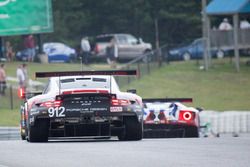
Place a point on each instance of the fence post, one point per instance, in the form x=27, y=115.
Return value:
x=128, y=76
x=138, y=70
x=11, y=98
x=148, y=67
x=159, y=53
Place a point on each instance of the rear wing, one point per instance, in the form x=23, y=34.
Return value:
x=80, y=73
x=165, y=100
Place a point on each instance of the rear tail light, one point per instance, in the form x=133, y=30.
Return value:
x=85, y=91
x=151, y=116
x=186, y=115
x=120, y=102
x=162, y=116
x=48, y=104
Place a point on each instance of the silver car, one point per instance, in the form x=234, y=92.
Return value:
x=129, y=47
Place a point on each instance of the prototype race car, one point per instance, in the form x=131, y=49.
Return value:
x=170, y=118
x=82, y=104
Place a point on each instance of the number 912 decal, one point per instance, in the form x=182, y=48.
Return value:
x=56, y=112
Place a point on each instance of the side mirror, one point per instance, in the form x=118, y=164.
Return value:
x=27, y=95
x=32, y=94
x=199, y=109
x=132, y=91
x=21, y=93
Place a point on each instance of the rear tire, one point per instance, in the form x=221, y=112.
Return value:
x=133, y=130
x=23, y=136
x=38, y=132
x=191, y=132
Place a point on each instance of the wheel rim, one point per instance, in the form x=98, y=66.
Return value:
x=220, y=54
x=186, y=56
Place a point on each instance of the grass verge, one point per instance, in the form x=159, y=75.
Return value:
x=221, y=88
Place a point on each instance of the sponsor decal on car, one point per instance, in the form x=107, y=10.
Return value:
x=115, y=109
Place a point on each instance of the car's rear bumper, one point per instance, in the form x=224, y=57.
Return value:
x=165, y=130
x=101, y=125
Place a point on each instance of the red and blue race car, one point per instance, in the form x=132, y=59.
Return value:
x=170, y=118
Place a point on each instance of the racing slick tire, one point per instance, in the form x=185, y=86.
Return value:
x=38, y=132
x=133, y=130
x=191, y=132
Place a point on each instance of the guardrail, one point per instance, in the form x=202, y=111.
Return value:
x=234, y=122
x=9, y=133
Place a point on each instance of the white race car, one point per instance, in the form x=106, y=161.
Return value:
x=170, y=118
x=82, y=104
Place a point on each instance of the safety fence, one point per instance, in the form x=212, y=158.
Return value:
x=10, y=100
x=225, y=39
x=215, y=123
x=144, y=64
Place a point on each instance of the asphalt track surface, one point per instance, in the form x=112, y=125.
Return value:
x=179, y=152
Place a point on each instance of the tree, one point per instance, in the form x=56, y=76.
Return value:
x=179, y=21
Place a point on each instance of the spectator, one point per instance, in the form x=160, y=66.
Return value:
x=9, y=51
x=21, y=77
x=225, y=25
x=244, y=24
x=29, y=44
x=2, y=79
x=85, y=48
x=112, y=53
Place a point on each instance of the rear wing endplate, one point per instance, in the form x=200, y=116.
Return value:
x=165, y=100
x=80, y=73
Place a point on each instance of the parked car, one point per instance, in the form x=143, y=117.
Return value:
x=57, y=52
x=129, y=47
x=194, y=50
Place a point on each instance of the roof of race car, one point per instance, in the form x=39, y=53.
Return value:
x=86, y=82
x=166, y=105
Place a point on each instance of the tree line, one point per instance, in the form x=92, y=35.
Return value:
x=178, y=21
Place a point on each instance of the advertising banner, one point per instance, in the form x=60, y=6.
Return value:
x=19, y=17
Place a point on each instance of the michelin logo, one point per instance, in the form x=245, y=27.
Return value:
x=6, y=2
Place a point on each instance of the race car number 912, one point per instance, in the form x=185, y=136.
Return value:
x=56, y=111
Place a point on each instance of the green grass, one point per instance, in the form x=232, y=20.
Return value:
x=35, y=67
x=221, y=88
x=9, y=117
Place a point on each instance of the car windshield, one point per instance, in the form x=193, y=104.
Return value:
x=104, y=39
x=197, y=42
x=131, y=39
